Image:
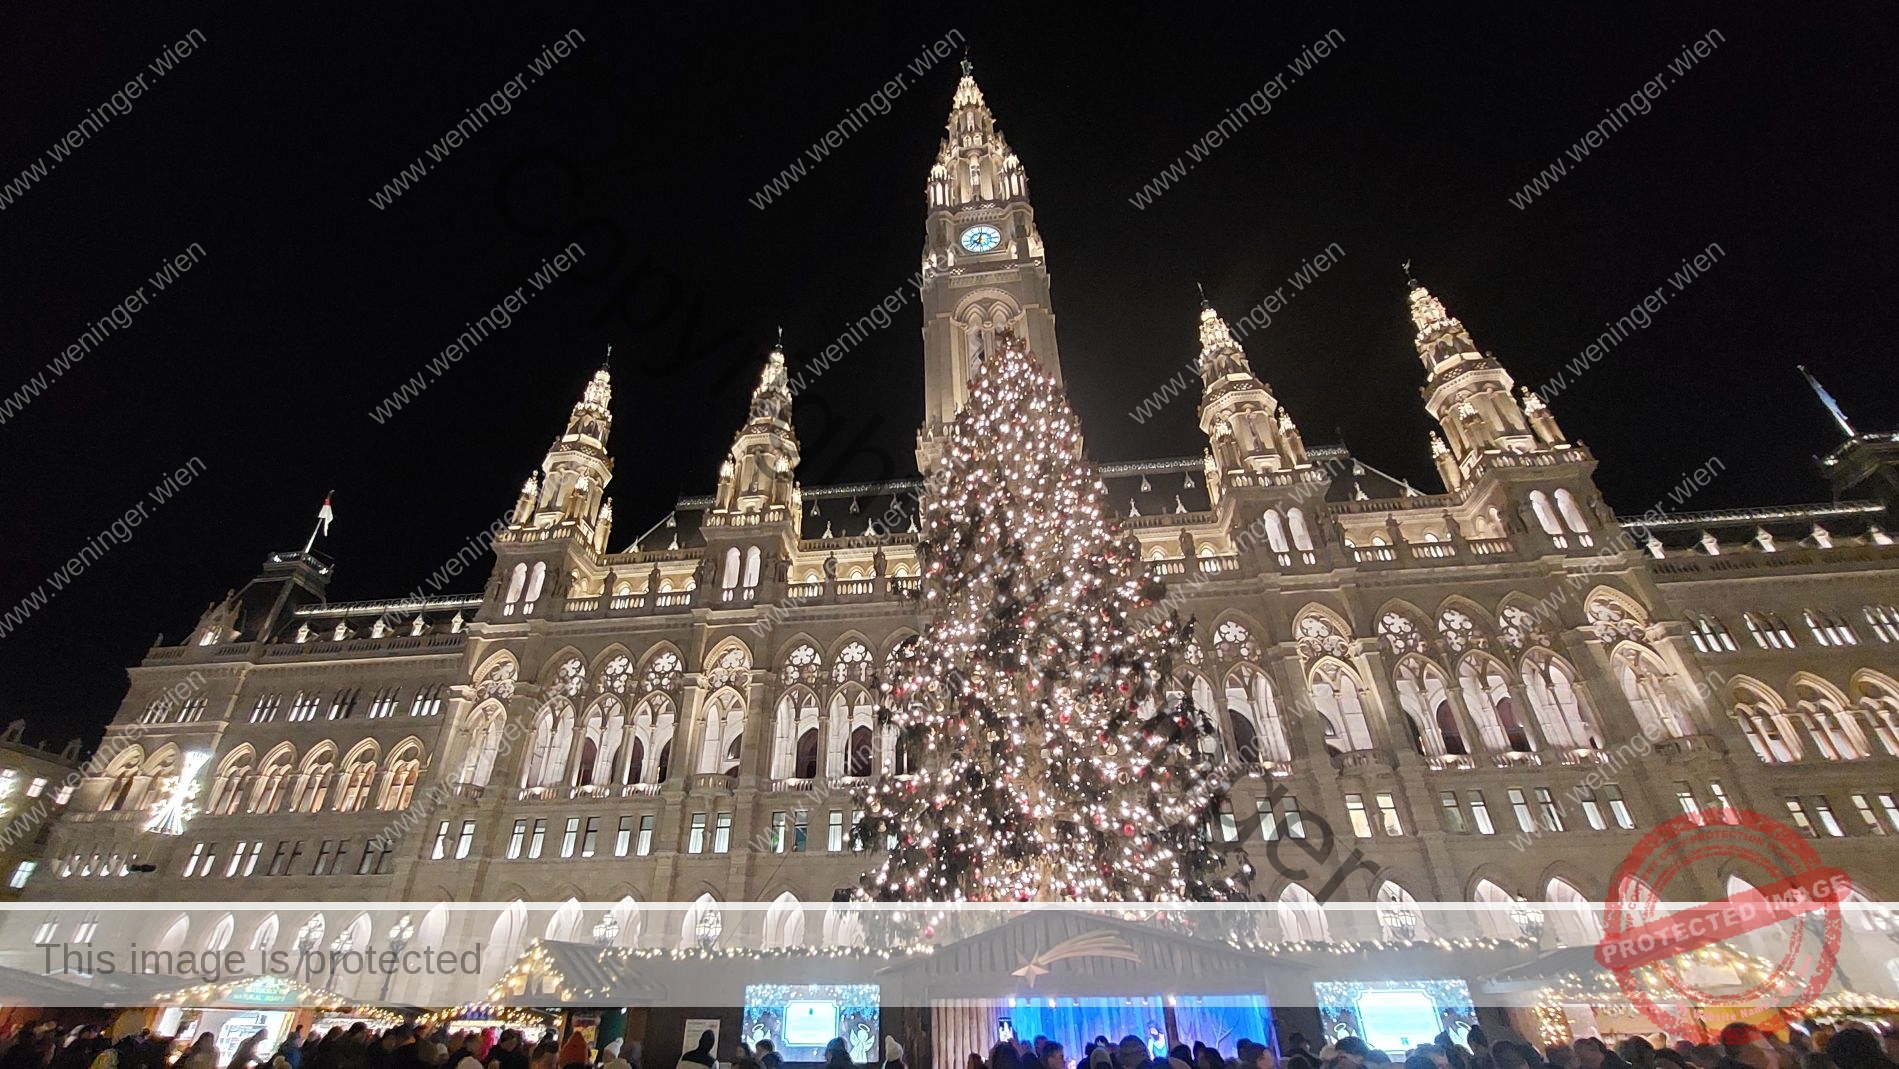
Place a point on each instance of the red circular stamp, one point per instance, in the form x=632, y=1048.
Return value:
x=1663, y=958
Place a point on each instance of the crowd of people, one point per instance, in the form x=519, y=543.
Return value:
x=408, y=1046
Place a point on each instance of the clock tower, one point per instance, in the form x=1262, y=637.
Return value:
x=984, y=268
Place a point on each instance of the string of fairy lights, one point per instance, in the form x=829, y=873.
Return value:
x=1052, y=765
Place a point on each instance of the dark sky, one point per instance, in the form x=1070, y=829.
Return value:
x=310, y=305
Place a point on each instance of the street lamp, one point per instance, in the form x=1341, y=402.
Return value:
x=606, y=931
x=1528, y=918
x=309, y=937
x=399, y=935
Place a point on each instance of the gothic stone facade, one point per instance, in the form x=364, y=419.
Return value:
x=1485, y=693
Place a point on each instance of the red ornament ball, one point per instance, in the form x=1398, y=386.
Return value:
x=1127, y=830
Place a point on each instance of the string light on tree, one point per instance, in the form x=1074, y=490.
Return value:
x=1052, y=763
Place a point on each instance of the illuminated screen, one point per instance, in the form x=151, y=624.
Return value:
x=1393, y=1015
x=800, y=1019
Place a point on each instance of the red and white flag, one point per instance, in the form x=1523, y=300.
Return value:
x=324, y=515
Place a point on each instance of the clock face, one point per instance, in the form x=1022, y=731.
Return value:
x=981, y=238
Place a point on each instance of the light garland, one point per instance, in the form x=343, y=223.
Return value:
x=525, y=1020
x=260, y=991
x=537, y=963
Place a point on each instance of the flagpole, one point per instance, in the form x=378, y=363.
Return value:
x=324, y=515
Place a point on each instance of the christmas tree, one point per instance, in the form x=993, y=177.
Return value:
x=1050, y=763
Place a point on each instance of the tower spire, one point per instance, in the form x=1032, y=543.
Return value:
x=1248, y=432
x=571, y=490
x=1469, y=393
x=756, y=476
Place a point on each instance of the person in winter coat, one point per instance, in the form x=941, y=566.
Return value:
x=291, y=1050
x=703, y=1056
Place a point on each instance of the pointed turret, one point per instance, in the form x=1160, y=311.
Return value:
x=757, y=475
x=561, y=520
x=1468, y=392
x=575, y=474
x=1248, y=432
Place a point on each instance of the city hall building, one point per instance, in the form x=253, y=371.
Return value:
x=1485, y=692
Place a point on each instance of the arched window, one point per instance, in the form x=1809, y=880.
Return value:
x=1487, y=697
x=1571, y=512
x=227, y=792
x=1768, y=631
x=1424, y=694
x=1276, y=532
x=1763, y=720
x=484, y=744
x=564, y=925
x=122, y=777
x=405, y=769
x=730, y=577
x=653, y=722
x=1651, y=693
x=273, y=780
x=1709, y=634
x=703, y=925
x=1877, y=699
x=1836, y=731
x=1551, y=685
x=508, y=934
x=784, y=922
x=1296, y=524
x=517, y=583
x=752, y=559
x=601, y=739
x=537, y=578
x=795, y=747
x=548, y=748
x=359, y=778
x=1572, y=917
x=1301, y=918
x=313, y=785
x=1545, y=515
x=1256, y=733
x=851, y=708
x=724, y=733
x=1399, y=919
x=221, y=934
x=1335, y=693
x=266, y=935
x=1495, y=907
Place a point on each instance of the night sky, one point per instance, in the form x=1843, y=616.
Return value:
x=310, y=305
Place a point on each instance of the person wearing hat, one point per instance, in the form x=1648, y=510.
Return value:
x=893, y=1053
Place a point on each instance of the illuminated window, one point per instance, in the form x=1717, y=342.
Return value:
x=721, y=833
x=1866, y=813
x=590, y=838
x=1453, y=813
x=1480, y=814
x=22, y=873
x=834, y=836
x=516, y=839
x=266, y=708
x=644, y=846
x=1547, y=808
x=537, y=839
x=1884, y=620
x=623, y=839
x=467, y=840
x=696, y=832
x=1355, y=812
x=1823, y=812
x=1799, y=814
x=384, y=704
x=1388, y=814
x=37, y=787
x=1520, y=805
x=191, y=863
x=571, y=839
x=1724, y=809
x=1709, y=635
